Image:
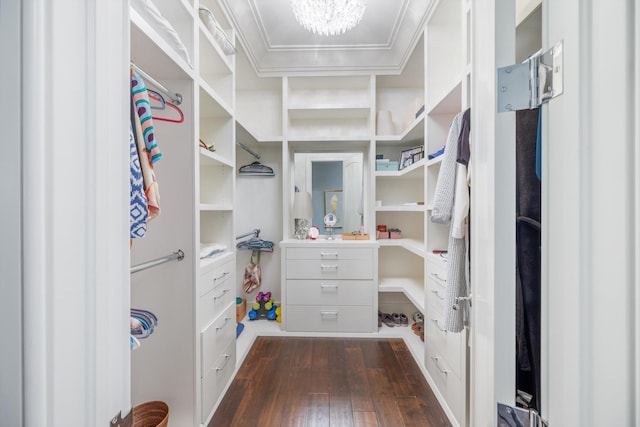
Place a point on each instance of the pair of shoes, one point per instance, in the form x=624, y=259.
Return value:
x=386, y=319
x=418, y=329
x=417, y=317
x=400, y=319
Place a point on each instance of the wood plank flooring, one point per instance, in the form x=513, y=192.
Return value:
x=329, y=382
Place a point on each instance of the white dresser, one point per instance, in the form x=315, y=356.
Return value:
x=445, y=351
x=217, y=326
x=329, y=286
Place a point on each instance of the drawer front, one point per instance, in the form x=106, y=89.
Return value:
x=214, y=302
x=215, y=380
x=216, y=277
x=450, y=385
x=216, y=337
x=436, y=293
x=330, y=292
x=451, y=346
x=329, y=269
x=306, y=318
x=330, y=253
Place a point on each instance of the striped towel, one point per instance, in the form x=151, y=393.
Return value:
x=143, y=108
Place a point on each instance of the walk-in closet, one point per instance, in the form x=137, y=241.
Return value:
x=320, y=212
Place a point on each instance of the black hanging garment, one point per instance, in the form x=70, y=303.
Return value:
x=528, y=263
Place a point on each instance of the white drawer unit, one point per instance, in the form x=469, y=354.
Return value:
x=216, y=275
x=329, y=286
x=450, y=384
x=216, y=377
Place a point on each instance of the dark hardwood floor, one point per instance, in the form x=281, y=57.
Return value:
x=287, y=381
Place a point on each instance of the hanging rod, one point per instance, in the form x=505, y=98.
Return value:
x=255, y=232
x=179, y=255
x=248, y=150
x=175, y=97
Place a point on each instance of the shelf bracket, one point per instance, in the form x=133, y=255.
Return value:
x=532, y=83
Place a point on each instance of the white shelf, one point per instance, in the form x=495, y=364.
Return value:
x=329, y=112
x=414, y=246
x=215, y=207
x=401, y=208
x=221, y=57
x=208, y=158
x=413, y=132
x=435, y=160
x=412, y=288
x=449, y=101
x=244, y=134
x=403, y=172
x=213, y=105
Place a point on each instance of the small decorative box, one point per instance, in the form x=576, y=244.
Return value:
x=394, y=233
x=387, y=166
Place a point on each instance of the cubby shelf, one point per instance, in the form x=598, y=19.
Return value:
x=406, y=172
x=414, y=246
x=413, y=132
x=211, y=158
x=413, y=288
x=401, y=208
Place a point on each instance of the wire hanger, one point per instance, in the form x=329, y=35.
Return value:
x=256, y=168
x=255, y=244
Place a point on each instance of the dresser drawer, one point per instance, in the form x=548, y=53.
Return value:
x=331, y=253
x=214, y=302
x=216, y=337
x=216, y=378
x=450, y=346
x=216, y=276
x=450, y=385
x=329, y=318
x=436, y=293
x=335, y=269
x=330, y=292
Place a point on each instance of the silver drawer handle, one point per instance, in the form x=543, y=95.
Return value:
x=222, y=276
x=224, y=292
x=333, y=266
x=226, y=359
x=435, y=360
x=323, y=286
x=226, y=319
x=435, y=322
x=436, y=293
x=328, y=254
x=329, y=313
x=438, y=278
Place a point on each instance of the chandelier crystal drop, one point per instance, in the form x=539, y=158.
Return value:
x=328, y=17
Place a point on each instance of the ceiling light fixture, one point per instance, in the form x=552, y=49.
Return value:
x=328, y=17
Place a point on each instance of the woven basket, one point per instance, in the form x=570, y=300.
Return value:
x=151, y=414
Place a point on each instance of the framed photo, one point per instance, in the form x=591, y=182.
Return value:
x=333, y=204
x=410, y=156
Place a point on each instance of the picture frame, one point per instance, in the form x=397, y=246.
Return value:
x=411, y=156
x=333, y=203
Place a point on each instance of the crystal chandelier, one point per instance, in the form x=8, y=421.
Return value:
x=328, y=17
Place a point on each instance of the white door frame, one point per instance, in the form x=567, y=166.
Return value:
x=74, y=166
x=590, y=209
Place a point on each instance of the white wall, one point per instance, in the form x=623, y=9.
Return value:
x=259, y=205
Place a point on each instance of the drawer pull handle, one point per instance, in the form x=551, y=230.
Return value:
x=435, y=360
x=226, y=319
x=435, y=322
x=323, y=286
x=328, y=254
x=226, y=359
x=327, y=267
x=436, y=293
x=328, y=313
x=224, y=292
x=438, y=278
x=222, y=276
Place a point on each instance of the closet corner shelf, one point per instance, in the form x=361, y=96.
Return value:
x=414, y=246
x=448, y=101
x=224, y=109
x=434, y=161
x=244, y=133
x=412, y=287
x=413, y=132
x=148, y=47
x=403, y=172
x=212, y=159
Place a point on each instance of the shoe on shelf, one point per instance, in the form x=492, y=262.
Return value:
x=387, y=319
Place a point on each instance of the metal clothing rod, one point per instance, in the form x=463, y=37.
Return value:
x=248, y=150
x=175, y=97
x=255, y=232
x=179, y=255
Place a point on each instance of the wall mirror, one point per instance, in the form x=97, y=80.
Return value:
x=335, y=182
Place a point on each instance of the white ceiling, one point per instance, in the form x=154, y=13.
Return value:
x=276, y=44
